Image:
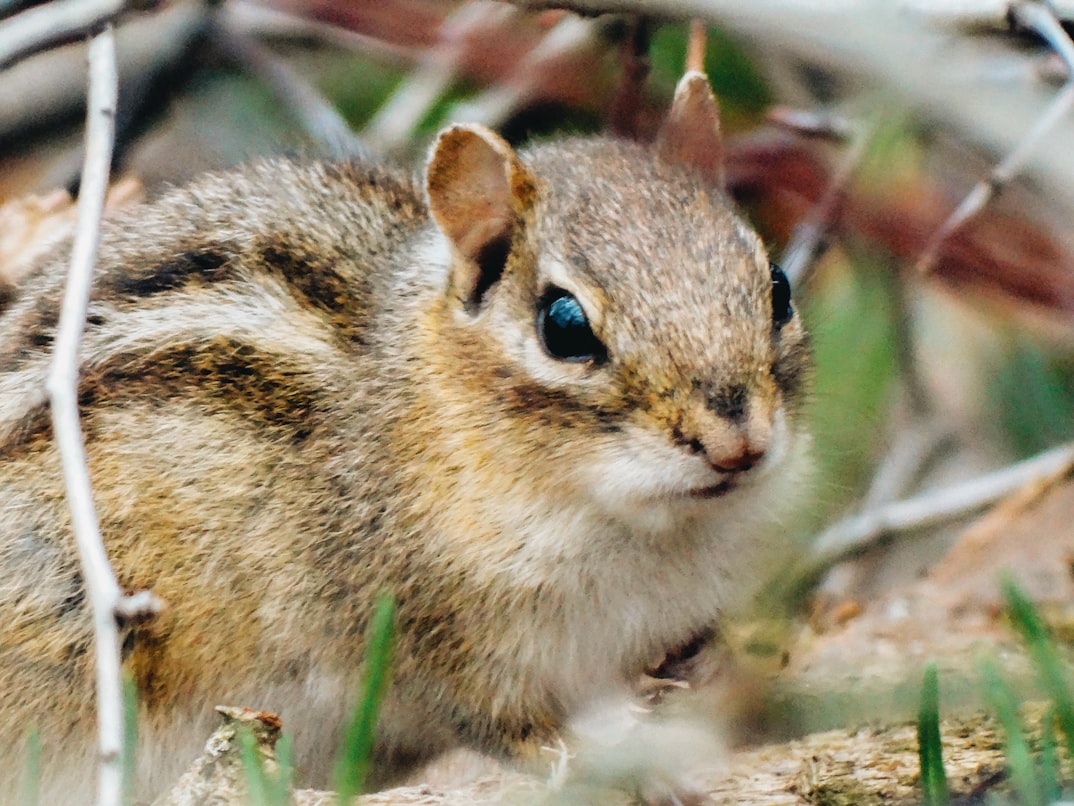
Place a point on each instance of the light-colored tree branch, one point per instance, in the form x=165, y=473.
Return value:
x=808, y=241
x=319, y=120
x=105, y=597
x=907, y=47
x=54, y=23
x=860, y=531
x=1040, y=19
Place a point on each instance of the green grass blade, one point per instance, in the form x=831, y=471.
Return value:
x=30, y=790
x=356, y=755
x=264, y=787
x=257, y=783
x=929, y=745
x=1046, y=659
x=1049, y=761
x=282, y=782
x=1024, y=778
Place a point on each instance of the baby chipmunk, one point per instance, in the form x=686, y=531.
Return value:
x=545, y=399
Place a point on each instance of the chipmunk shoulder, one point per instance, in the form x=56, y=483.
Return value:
x=545, y=399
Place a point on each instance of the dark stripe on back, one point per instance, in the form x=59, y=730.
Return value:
x=313, y=280
x=318, y=284
x=7, y=295
x=205, y=264
x=224, y=375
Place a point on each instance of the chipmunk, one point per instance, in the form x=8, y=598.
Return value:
x=544, y=400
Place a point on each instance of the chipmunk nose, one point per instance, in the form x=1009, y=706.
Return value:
x=731, y=430
x=737, y=459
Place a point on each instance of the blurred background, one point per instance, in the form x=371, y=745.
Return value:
x=944, y=352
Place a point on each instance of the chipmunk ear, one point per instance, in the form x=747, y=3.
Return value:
x=691, y=134
x=478, y=190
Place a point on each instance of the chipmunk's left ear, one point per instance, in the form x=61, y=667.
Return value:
x=691, y=134
x=478, y=192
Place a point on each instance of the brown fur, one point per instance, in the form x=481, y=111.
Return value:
x=288, y=409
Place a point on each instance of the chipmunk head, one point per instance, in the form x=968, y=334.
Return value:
x=618, y=312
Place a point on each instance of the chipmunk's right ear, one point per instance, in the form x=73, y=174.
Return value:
x=478, y=191
x=691, y=133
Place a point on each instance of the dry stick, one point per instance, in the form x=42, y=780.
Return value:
x=1040, y=19
x=106, y=599
x=859, y=532
x=398, y=118
x=54, y=23
x=263, y=23
x=808, y=241
x=494, y=106
x=695, y=48
x=824, y=124
x=319, y=119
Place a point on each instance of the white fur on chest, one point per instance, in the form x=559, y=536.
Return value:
x=622, y=598
x=618, y=580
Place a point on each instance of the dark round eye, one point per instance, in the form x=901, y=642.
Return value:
x=782, y=310
x=564, y=329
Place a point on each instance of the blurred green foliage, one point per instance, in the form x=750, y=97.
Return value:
x=355, y=86
x=1030, y=395
x=739, y=85
x=850, y=314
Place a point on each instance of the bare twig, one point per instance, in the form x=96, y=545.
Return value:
x=808, y=241
x=319, y=119
x=42, y=91
x=62, y=386
x=824, y=124
x=695, y=50
x=54, y=23
x=262, y=22
x=412, y=100
x=919, y=445
x=1039, y=18
x=570, y=36
x=861, y=531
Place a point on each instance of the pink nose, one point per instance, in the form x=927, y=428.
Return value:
x=737, y=461
x=730, y=447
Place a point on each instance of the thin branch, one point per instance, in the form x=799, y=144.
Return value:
x=318, y=118
x=570, y=36
x=808, y=241
x=918, y=446
x=857, y=533
x=412, y=100
x=695, y=50
x=265, y=23
x=55, y=23
x=62, y=386
x=823, y=124
x=1040, y=19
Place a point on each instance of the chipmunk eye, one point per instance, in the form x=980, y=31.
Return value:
x=564, y=329
x=782, y=310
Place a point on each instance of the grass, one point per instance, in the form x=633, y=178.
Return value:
x=1034, y=771
x=265, y=788
x=356, y=756
x=930, y=748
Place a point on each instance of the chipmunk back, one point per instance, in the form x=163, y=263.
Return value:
x=545, y=402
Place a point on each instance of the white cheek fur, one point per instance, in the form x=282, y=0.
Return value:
x=638, y=467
